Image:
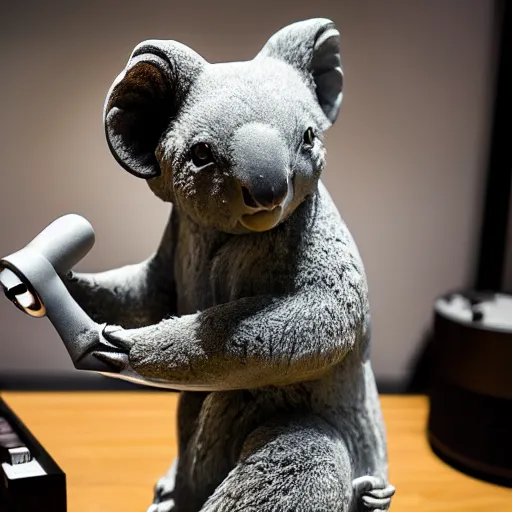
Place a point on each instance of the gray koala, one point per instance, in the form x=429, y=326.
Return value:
x=255, y=304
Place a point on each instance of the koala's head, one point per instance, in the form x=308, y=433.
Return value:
x=235, y=146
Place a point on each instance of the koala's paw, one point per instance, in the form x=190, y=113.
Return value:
x=162, y=500
x=373, y=493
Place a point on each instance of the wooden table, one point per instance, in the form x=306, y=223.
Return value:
x=113, y=446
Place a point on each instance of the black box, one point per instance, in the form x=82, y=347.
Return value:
x=39, y=485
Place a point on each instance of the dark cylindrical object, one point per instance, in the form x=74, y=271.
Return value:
x=470, y=421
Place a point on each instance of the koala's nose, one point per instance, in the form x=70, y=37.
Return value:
x=266, y=196
x=261, y=163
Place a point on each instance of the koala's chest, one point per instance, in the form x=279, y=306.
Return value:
x=210, y=272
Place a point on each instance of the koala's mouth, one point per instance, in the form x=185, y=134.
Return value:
x=262, y=220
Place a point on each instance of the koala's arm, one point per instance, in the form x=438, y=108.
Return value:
x=250, y=342
x=130, y=296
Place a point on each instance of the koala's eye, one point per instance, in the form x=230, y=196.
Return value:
x=309, y=136
x=201, y=154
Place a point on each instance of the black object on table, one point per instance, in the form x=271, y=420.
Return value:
x=470, y=420
x=29, y=478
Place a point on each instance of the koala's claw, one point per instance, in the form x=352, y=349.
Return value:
x=109, y=347
x=376, y=504
x=163, y=501
x=373, y=492
x=166, y=506
x=118, y=337
x=381, y=494
x=163, y=489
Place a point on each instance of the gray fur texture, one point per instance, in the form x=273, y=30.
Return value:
x=255, y=305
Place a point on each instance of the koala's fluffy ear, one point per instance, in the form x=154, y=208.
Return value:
x=144, y=99
x=313, y=48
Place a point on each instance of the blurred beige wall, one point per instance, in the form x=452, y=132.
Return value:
x=406, y=159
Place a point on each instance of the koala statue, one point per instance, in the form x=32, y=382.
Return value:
x=255, y=305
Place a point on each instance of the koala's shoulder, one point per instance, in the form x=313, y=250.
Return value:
x=326, y=246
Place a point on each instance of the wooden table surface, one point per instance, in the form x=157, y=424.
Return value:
x=113, y=446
